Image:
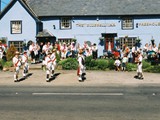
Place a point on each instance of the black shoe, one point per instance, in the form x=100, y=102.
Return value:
x=16, y=81
x=136, y=76
x=141, y=78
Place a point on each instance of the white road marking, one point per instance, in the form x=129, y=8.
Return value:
x=81, y=94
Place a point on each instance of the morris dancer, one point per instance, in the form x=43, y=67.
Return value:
x=48, y=63
x=17, y=64
x=25, y=63
x=139, y=66
x=53, y=58
x=81, y=67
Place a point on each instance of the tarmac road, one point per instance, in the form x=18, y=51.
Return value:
x=79, y=103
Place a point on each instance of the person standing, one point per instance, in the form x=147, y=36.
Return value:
x=53, y=58
x=17, y=63
x=124, y=62
x=81, y=66
x=25, y=63
x=95, y=51
x=48, y=63
x=139, y=66
x=32, y=52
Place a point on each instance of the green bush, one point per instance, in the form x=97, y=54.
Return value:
x=102, y=64
x=8, y=64
x=153, y=69
x=69, y=64
x=2, y=63
x=131, y=67
x=111, y=64
x=146, y=64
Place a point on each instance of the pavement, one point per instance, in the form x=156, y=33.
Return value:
x=69, y=78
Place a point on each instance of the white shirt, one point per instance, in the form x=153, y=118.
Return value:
x=16, y=61
x=117, y=62
x=24, y=59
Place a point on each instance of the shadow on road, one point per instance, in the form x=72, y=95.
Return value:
x=23, y=78
x=54, y=77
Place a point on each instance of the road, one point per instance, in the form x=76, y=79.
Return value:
x=79, y=103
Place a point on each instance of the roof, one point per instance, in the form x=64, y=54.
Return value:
x=94, y=7
x=45, y=33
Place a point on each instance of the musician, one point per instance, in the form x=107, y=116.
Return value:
x=17, y=64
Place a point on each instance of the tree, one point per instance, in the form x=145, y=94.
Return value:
x=11, y=52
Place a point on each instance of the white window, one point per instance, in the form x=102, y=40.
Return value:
x=66, y=40
x=16, y=27
x=129, y=41
x=65, y=23
x=127, y=23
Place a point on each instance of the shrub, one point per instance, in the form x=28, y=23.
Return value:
x=153, y=69
x=69, y=64
x=2, y=62
x=8, y=64
x=11, y=52
x=102, y=64
x=111, y=64
x=146, y=64
x=131, y=67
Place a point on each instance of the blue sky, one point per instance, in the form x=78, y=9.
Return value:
x=4, y=3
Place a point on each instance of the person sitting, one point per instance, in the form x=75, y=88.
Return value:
x=117, y=64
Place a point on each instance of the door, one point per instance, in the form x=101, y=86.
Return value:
x=109, y=45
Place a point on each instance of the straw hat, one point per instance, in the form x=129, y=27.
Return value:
x=17, y=53
x=80, y=51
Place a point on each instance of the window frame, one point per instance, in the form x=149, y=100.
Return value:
x=130, y=41
x=65, y=40
x=69, y=22
x=11, y=27
x=125, y=27
x=18, y=46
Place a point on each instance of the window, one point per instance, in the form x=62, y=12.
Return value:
x=130, y=41
x=16, y=27
x=127, y=24
x=18, y=45
x=65, y=23
x=66, y=40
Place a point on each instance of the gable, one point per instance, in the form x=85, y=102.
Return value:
x=12, y=3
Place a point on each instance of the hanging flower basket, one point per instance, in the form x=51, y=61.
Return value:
x=101, y=42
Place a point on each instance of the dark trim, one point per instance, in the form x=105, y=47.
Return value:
x=11, y=26
x=120, y=15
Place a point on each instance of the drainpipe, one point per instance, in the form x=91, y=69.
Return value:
x=0, y=6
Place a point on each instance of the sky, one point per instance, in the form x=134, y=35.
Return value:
x=4, y=3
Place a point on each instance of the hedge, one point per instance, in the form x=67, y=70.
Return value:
x=105, y=64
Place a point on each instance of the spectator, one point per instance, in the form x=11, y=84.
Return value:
x=32, y=50
x=94, y=51
x=124, y=62
x=117, y=64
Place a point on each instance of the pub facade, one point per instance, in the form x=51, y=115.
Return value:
x=104, y=22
